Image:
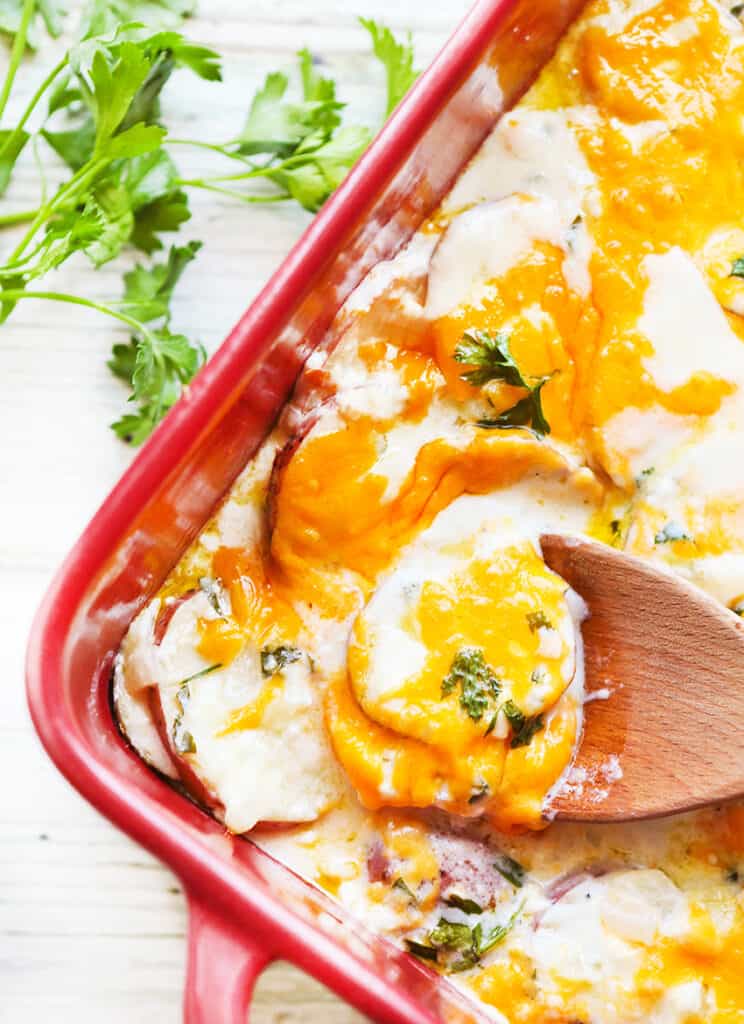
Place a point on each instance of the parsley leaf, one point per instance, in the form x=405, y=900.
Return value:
x=278, y=127
x=538, y=620
x=183, y=741
x=166, y=213
x=453, y=936
x=467, y=906
x=50, y=12
x=401, y=886
x=201, y=673
x=491, y=359
x=482, y=790
x=511, y=870
x=421, y=950
x=477, y=682
x=316, y=174
x=397, y=58
x=103, y=16
x=215, y=595
x=524, y=728
x=316, y=88
x=148, y=290
x=737, y=267
x=307, y=150
x=528, y=412
x=158, y=204
x=157, y=364
x=276, y=659
x=450, y=935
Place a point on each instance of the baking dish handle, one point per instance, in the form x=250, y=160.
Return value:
x=222, y=967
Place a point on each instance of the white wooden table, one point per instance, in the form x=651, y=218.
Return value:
x=91, y=927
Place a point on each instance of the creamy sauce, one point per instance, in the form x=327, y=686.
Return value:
x=365, y=645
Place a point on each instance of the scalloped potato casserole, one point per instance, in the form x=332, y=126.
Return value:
x=365, y=662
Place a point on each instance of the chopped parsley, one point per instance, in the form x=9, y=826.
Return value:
x=401, y=886
x=455, y=937
x=450, y=935
x=539, y=675
x=572, y=229
x=276, y=659
x=483, y=790
x=421, y=950
x=215, y=595
x=467, y=906
x=528, y=412
x=670, y=533
x=183, y=741
x=538, y=620
x=491, y=726
x=510, y=869
x=491, y=359
x=523, y=726
x=202, y=672
x=737, y=267
x=477, y=682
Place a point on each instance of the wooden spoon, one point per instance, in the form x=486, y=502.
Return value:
x=670, y=661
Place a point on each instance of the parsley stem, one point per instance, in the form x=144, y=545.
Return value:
x=16, y=294
x=213, y=147
x=76, y=184
x=255, y=172
x=31, y=105
x=232, y=193
x=16, y=54
x=20, y=217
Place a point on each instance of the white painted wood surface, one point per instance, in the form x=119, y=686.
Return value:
x=92, y=928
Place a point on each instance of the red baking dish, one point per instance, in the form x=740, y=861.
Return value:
x=245, y=908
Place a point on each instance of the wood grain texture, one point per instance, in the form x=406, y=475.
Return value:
x=671, y=660
x=92, y=928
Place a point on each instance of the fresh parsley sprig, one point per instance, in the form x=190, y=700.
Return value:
x=156, y=364
x=124, y=189
x=299, y=146
x=490, y=357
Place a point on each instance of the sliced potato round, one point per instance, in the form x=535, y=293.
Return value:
x=251, y=732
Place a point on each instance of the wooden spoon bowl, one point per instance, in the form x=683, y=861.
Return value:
x=664, y=667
